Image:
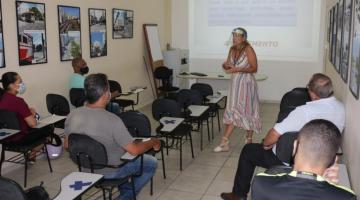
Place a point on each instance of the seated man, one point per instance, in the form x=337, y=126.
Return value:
x=322, y=106
x=107, y=128
x=80, y=69
x=315, y=150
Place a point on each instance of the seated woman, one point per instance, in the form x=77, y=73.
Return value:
x=13, y=85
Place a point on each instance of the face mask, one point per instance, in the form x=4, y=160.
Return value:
x=84, y=70
x=22, y=88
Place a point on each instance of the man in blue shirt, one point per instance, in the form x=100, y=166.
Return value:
x=80, y=69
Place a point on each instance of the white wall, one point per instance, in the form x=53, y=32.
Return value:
x=351, y=138
x=283, y=76
x=123, y=63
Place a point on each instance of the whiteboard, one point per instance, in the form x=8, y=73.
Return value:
x=154, y=42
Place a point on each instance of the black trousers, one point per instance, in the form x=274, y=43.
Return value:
x=252, y=155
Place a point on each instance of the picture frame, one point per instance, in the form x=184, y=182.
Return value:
x=31, y=31
x=339, y=32
x=331, y=33
x=334, y=32
x=122, y=23
x=346, y=36
x=354, y=79
x=69, y=23
x=2, y=48
x=97, y=32
x=329, y=25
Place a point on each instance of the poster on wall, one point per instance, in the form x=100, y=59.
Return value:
x=340, y=12
x=334, y=31
x=2, y=51
x=97, y=32
x=345, y=46
x=354, y=79
x=123, y=23
x=69, y=32
x=31, y=31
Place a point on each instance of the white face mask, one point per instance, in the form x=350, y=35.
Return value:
x=22, y=88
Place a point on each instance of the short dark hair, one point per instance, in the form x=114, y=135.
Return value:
x=320, y=140
x=95, y=86
x=7, y=79
x=75, y=62
x=321, y=85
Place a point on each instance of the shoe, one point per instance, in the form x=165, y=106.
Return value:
x=223, y=147
x=230, y=196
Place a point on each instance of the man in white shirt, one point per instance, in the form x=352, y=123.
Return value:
x=322, y=106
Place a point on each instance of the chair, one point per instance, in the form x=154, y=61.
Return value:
x=164, y=74
x=123, y=103
x=292, y=99
x=12, y=190
x=206, y=90
x=278, y=169
x=170, y=108
x=139, y=125
x=9, y=120
x=188, y=97
x=89, y=154
x=57, y=105
x=77, y=97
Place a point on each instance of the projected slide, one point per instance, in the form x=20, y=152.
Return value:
x=252, y=13
x=287, y=30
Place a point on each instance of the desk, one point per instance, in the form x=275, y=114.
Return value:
x=52, y=119
x=5, y=133
x=214, y=99
x=75, y=184
x=170, y=123
x=196, y=110
x=219, y=81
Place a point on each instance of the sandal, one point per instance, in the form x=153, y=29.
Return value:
x=223, y=147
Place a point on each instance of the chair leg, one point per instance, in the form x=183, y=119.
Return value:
x=48, y=159
x=26, y=156
x=212, y=127
x=132, y=106
x=104, y=193
x=110, y=193
x=191, y=145
x=180, y=153
x=133, y=187
x=201, y=137
x=167, y=145
x=2, y=157
x=151, y=187
x=208, y=129
x=218, y=117
x=163, y=162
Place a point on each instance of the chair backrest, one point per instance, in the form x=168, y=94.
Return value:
x=164, y=74
x=204, y=89
x=57, y=104
x=9, y=189
x=284, y=147
x=8, y=119
x=137, y=123
x=278, y=169
x=87, y=152
x=115, y=86
x=188, y=97
x=77, y=97
x=165, y=108
x=291, y=100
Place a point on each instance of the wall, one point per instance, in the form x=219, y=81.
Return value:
x=351, y=139
x=294, y=74
x=123, y=63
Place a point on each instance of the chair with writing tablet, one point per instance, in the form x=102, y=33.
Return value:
x=164, y=74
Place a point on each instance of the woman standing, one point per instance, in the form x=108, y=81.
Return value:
x=242, y=106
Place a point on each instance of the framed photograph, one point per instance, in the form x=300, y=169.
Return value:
x=69, y=32
x=31, y=30
x=334, y=38
x=339, y=31
x=97, y=32
x=2, y=51
x=329, y=26
x=123, y=23
x=345, y=45
x=354, y=79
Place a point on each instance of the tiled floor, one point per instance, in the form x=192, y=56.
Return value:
x=203, y=178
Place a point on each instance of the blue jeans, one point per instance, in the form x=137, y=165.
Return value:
x=149, y=168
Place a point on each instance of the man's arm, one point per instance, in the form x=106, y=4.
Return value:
x=137, y=148
x=271, y=138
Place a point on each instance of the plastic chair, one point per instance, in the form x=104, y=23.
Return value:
x=77, y=97
x=164, y=74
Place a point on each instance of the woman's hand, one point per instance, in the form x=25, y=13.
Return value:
x=231, y=69
x=33, y=111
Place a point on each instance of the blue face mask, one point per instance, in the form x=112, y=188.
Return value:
x=22, y=88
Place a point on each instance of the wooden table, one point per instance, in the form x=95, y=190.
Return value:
x=5, y=133
x=75, y=184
